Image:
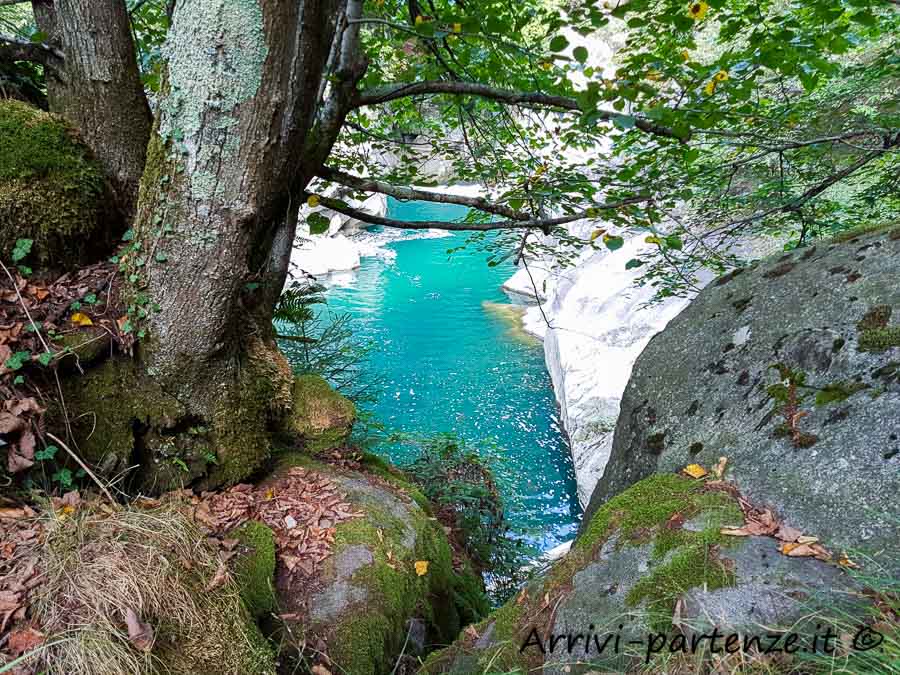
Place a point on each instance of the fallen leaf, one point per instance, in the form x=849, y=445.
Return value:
x=719, y=469
x=787, y=533
x=735, y=531
x=220, y=577
x=694, y=471
x=421, y=567
x=24, y=640
x=81, y=319
x=140, y=634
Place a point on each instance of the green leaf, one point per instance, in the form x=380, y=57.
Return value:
x=17, y=360
x=633, y=263
x=21, y=249
x=129, y=235
x=45, y=358
x=580, y=54
x=19, y=379
x=91, y=298
x=558, y=43
x=318, y=224
x=674, y=241
x=47, y=453
x=161, y=257
x=63, y=477
x=613, y=243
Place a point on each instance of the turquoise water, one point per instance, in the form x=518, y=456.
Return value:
x=453, y=364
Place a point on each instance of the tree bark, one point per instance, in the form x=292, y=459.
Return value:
x=97, y=86
x=217, y=213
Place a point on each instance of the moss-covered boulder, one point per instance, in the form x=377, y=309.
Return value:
x=390, y=580
x=790, y=368
x=652, y=562
x=321, y=417
x=52, y=191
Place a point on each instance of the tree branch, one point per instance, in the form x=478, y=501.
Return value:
x=392, y=92
x=16, y=49
x=544, y=224
x=405, y=193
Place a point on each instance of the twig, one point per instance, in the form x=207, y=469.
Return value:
x=25, y=307
x=85, y=467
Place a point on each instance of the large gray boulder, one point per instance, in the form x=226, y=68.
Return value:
x=790, y=369
x=653, y=573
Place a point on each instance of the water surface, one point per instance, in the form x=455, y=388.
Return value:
x=453, y=361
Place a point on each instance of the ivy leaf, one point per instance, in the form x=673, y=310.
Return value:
x=21, y=249
x=580, y=54
x=318, y=224
x=45, y=358
x=17, y=360
x=47, y=453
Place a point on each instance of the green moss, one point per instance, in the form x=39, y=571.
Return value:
x=877, y=317
x=880, y=339
x=689, y=565
x=51, y=190
x=645, y=505
x=255, y=567
x=856, y=232
x=838, y=391
x=242, y=421
x=320, y=416
x=445, y=598
x=87, y=347
x=105, y=405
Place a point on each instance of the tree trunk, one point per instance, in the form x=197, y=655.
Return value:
x=98, y=87
x=217, y=212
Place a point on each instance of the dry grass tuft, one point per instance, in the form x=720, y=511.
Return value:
x=155, y=566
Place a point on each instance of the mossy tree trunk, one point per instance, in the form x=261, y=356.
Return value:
x=227, y=164
x=97, y=86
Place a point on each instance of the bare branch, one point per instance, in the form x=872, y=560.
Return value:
x=544, y=224
x=392, y=92
x=16, y=49
x=405, y=193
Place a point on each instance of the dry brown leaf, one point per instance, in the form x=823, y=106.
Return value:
x=719, y=469
x=735, y=531
x=220, y=577
x=139, y=633
x=24, y=640
x=788, y=533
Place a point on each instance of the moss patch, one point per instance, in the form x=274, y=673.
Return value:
x=653, y=510
x=51, y=190
x=838, y=391
x=875, y=335
x=255, y=567
x=320, y=416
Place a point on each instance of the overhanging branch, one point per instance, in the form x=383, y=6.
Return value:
x=544, y=224
x=391, y=92
x=405, y=193
x=16, y=49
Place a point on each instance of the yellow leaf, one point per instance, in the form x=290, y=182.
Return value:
x=312, y=201
x=457, y=28
x=420, y=20
x=721, y=76
x=421, y=567
x=652, y=240
x=697, y=10
x=81, y=319
x=686, y=55
x=597, y=233
x=270, y=494
x=694, y=471
x=710, y=88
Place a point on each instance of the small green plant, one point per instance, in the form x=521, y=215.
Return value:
x=462, y=488
x=319, y=342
